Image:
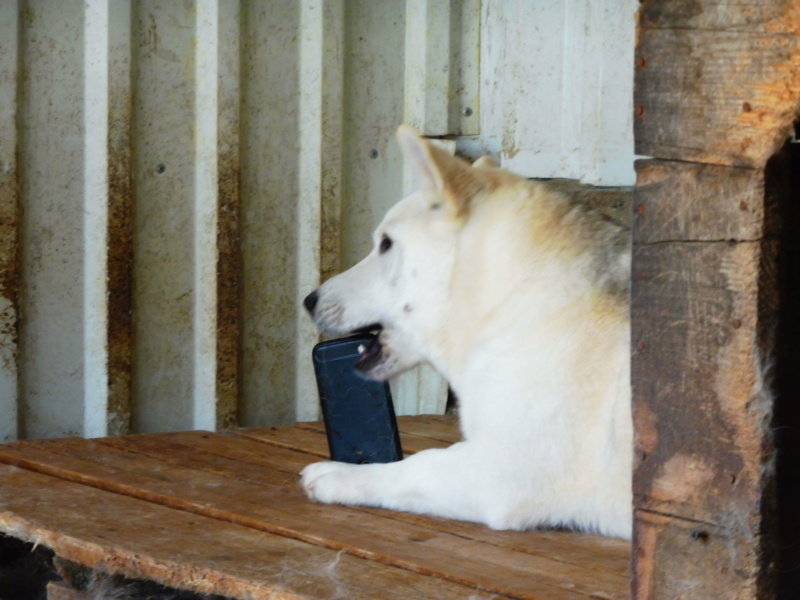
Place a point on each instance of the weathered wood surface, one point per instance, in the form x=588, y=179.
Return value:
x=714, y=251
x=58, y=591
x=716, y=82
x=689, y=202
x=224, y=514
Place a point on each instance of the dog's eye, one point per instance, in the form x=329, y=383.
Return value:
x=386, y=244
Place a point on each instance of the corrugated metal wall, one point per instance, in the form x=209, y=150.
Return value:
x=175, y=176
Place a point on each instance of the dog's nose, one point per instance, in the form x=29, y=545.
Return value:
x=311, y=301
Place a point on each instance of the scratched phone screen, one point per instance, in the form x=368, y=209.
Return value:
x=358, y=413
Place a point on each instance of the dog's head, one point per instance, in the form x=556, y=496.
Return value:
x=402, y=286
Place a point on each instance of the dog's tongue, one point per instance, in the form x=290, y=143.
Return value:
x=368, y=355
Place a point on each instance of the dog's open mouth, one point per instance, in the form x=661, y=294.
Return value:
x=370, y=355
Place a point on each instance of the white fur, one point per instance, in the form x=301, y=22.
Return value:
x=493, y=282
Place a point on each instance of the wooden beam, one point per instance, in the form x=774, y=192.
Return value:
x=715, y=288
x=716, y=83
x=712, y=249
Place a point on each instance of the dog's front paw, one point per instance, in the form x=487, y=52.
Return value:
x=331, y=482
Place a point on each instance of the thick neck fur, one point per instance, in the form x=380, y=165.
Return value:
x=517, y=274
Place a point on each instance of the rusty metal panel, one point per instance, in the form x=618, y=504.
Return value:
x=9, y=220
x=229, y=260
x=120, y=219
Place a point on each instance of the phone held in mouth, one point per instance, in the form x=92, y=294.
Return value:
x=358, y=413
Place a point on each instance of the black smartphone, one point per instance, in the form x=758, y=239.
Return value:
x=358, y=412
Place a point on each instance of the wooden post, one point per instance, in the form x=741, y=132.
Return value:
x=714, y=289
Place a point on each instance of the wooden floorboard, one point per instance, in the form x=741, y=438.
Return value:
x=248, y=482
x=140, y=539
x=437, y=427
x=310, y=437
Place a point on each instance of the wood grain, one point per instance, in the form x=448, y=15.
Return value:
x=716, y=82
x=432, y=431
x=58, y=591
x=252, y=485
x=692, y=202
x=700, y=407
x=705, y=311
x=138, y=539
x=683, y=559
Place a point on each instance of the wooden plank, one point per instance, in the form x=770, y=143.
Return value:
x=437, y=427
x=699, y=404
x=610, y=555
x=58, y=591
x=410, y=442
x=716, y=83
x=137, y=539
x=248, y=461
x=592, y=552
x=246, y=451
x=310, y=441
x=704, y=315
x=733, y=15
x=682, y=559
x=310, y=437
x=694, y=202
x=285, y=511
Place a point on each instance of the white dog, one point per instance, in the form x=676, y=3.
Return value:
x=519, y=297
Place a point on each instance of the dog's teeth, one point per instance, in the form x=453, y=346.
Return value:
x=361, y=348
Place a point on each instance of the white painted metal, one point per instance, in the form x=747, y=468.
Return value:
x=62, y=141
x=559, y=78
x=427, y=65
x=464, y=69
x=442, y=41
x=9, y=26
x=204, y=322
x=275, y=121
x=374, y=103
x=95, y=216
x=319, y=170
x=270, y=124
x=175, y=124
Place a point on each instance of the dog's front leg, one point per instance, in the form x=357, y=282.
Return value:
x=448, y=483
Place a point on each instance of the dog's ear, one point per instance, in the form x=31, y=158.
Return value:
x=485, y=162
x=437, y=170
